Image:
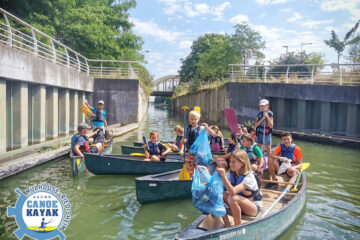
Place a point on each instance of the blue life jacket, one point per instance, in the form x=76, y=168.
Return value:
x=260, y=128
x=288, y=152
x=153, y=148
x=249, y=152
x=178, y=141
x=236, y=181
x=83, y=148
x=192, y=134
x=231, y=148
x=99, y=116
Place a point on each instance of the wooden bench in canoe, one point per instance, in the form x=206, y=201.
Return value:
x=140, y=144
x=128, y=165
x=127, y=150
x=269, y=227
x=78, y=164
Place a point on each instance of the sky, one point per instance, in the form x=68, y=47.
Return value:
x=168, y=27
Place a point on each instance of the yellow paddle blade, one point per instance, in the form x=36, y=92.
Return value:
x=184, y=174
x=304, y=166
x=197, y=109
x=185, y=108
x=78, y=161
x=138, y=154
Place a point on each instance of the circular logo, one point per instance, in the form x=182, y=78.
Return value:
x=42, y=212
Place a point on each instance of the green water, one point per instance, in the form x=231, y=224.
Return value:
x=105, y=207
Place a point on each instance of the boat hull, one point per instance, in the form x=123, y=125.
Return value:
x=153, y=188
x=127, y=165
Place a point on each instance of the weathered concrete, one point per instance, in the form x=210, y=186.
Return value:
x=22, y=66
x=74, y=110
x=64, y=112
x=326, y=109
x=52, y=106
x=124, y=100
x=81, y=99
x=20, y=115
x=38, y=117
x=2, y=116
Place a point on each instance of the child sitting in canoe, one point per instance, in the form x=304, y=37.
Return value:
x=243, y=194
x=222, y=161
x=253, y=132
x=177, y=145
x=254, y=153
x=216, y=143
x=194, y=129
x=287, y=151
x=155, y=151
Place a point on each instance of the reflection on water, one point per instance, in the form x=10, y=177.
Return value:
x=105, y=207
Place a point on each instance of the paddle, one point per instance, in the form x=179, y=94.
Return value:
x=197, y=109
x=147, y=147
x=303, y=167
x=185, y=108
x=231, y=121
x=138, y=154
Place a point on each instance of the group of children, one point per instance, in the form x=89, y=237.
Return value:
x=242, y=161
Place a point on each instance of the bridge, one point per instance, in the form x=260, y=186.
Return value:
x=164, y=86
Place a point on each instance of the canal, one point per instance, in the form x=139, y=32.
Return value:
x=105, y=207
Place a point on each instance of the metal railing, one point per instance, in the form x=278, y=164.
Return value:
x=21, y=35
x=342, y=74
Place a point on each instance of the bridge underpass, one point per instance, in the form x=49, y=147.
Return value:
x=165, y=86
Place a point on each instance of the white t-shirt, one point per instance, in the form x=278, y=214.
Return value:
x=250, y=182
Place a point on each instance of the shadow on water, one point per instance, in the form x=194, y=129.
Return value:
x=105, y=207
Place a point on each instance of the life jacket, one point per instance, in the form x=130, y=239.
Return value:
x=178, y=141
x=289, y=153
x=236, y=181
x=83, y=148
x=192, y=134
x=153, y=148
x=231, y=148
x=99, y=116
x=260, y=128
x=249, y=152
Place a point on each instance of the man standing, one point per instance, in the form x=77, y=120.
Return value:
x=99, y=121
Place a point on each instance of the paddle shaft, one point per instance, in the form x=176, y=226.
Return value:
x=273, y=191
x=184, y=134
x=274, y=203
x=297, y=181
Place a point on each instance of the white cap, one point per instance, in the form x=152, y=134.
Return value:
x=101, y=102
x=264, y=102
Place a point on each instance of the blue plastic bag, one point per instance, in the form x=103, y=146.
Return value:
x=201, y=149
x=207, y=193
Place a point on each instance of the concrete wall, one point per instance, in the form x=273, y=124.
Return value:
x=327, y=109
x=125, y=101
x=22, y=66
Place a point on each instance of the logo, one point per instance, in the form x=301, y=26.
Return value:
x=43, y=212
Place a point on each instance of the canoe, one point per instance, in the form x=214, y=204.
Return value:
x=78, y=164
x=127, y=165
x=140, y=144
x=162, y=187
x=269, y=227
x=127, y=150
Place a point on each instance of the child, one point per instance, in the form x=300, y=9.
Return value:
x=253, y=132
x=156, y=151
x=254, y=153
x=264, y=122
x=223, y=160
x=243, y=194
x=244, y=129
x=194, y=129
x=285, y=152
x=177, y=145
x=239, y=133
x=216, y=143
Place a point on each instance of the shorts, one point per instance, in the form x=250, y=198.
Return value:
x=93, y=149
x=259, y=139
x=100, y=137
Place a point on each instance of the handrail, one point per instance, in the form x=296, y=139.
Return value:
x=56, y=51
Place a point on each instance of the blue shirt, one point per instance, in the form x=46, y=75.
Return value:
x=95, y=123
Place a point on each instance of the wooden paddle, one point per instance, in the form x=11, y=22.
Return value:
x=231, y=121
x=303, y=167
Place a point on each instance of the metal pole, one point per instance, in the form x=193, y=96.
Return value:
x=9, y=29
x=78, y=61
x=87, y=67
x=287, y=74
x=67, y=58
x=54, y=51
x=265, y=73
x=35, y=42
x=232, y=73
x=101, y=69
x=341, y=80
x=312, y=75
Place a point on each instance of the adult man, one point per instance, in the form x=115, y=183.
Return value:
x=99, y=121
x=80, y=141
x=285, y=152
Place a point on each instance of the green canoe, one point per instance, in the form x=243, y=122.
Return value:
x=162, y=187
x=78, y=164
x=127, y=150
x=269, y=227
x=140, y=144
x=128, y=165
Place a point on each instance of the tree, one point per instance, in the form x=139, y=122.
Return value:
x=339, y=46
x=354, y=52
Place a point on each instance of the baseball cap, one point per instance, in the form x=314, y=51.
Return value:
x=101, y=102
x=263, y=102
x=82, y=126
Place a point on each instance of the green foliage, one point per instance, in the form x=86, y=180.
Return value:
x=145, y=79
x=195, y=84
x=338, y=45
x=160, y=100
x=354, y=52
x=210, y=54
